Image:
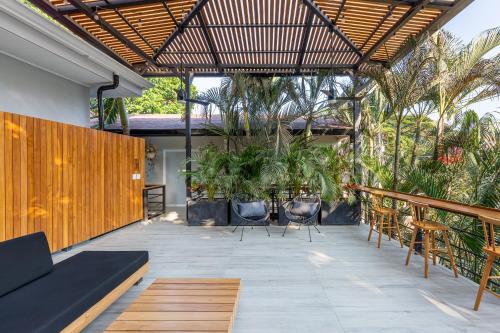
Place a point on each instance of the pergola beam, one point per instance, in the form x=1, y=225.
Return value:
x=109, y=28
x=437, y=24
x=394, y=29
x=380, y=23
x=103, y=4
x=350, y=54
x=169, y=11
x=305, y=39
x=133, y=28
x=332, y=26
x=209, y=41
x=264, y=52
x=70, y=9
x=180, y=28
x=339, y=12
x=76, y=29
x=441, y=5
x=258, y=66
x=255, y=25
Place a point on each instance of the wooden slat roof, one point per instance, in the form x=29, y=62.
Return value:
x=156, y=37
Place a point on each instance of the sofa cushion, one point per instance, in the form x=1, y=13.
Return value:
x=55, y=300
x=253, y=209
x=303, y=209
x=23, y=260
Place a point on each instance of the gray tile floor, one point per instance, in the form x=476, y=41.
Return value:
x=337, y=283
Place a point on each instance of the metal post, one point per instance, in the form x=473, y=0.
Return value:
x=187, y=84
x=145, y=204
x=358, y=173
x=357, y=137
x=164, y=198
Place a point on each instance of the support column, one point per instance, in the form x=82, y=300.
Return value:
x=187, y=84
x=357, y=138
x=357, y=170
x=356, y=109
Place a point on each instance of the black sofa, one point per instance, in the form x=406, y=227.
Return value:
x=38, y=296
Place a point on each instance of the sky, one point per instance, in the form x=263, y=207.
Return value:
x=476, y=18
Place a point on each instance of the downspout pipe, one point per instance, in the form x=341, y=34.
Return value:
x=100, y=90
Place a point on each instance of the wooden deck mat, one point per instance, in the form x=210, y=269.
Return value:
x=182, y=305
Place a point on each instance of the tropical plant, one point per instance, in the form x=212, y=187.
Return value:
x=308, y=98
x=419, y=115
x=113, y=108
x=161, y=98
x=274, y=112
x=211, y=162
x=462, y=75
x=226, y=101
x=402, y=85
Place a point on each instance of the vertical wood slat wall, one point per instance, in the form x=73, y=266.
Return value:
x=71, y=182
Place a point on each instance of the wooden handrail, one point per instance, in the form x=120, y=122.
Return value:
x=148, y=187
x=446, y=205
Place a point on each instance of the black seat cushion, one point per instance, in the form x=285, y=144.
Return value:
x=254, y=210
x=303, y=209
x=23, y=260
x=55, y=300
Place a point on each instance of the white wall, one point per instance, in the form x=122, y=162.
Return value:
x=30, y=91
x=170, y=160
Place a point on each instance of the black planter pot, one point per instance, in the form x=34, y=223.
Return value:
x=340, y=213
x=207, y=213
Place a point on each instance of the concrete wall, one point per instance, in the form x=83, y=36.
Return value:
x=30, y=91
x=171, y=158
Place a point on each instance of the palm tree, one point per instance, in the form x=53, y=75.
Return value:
x=419, y=111
x=463, y=75
x=308, y=98
x=114, y=108
x=273, y=111
x=245, y=88
x=226, y=101
x=402, y=85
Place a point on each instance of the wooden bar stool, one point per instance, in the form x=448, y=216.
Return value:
x=388, y=219
x=429, y=229
x=492, y=251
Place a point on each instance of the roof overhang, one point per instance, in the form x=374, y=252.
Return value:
x=216, y=37
x=31, y=38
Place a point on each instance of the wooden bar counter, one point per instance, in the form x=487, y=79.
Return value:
x=446, y=205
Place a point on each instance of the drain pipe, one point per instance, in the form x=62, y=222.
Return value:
x=100, y=110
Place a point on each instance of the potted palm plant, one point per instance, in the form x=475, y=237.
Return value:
x=339, y=205
x=208, y=206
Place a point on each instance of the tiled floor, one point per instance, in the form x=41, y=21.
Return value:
x=337, y=283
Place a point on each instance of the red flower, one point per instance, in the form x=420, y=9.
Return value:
x=452, y=156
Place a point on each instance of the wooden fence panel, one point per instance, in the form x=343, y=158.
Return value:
x=70, y=182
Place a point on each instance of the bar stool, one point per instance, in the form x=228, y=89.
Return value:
x=492, y=251
x=429, y=229
x=385, y=215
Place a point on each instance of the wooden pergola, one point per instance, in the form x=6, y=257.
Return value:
x=283, y=37
x=259, y=37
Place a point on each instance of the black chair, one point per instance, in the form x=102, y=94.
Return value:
x=246, y=211
x=303, y=210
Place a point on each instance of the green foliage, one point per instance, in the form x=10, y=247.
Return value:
x=209, y=170
x=268, y=155
x=162, y=98
x=256, y=169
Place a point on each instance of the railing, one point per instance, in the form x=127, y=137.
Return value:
x=470, y=263
x=154, y=200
